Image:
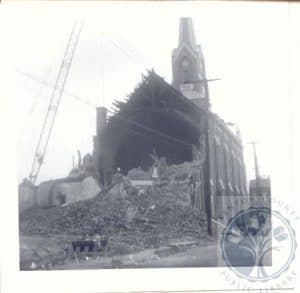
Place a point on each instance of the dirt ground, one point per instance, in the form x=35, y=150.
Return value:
x=41, y=251
x=48, y=253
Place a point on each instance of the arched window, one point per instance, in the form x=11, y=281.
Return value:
x=232, y=171
x=228, y=175
x=186, y=65
x=219, y=165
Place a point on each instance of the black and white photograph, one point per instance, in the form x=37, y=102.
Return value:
x=155, y=135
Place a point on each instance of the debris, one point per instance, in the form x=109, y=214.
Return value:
x=144, y=218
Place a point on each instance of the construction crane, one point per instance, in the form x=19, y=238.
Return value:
x=54, y=102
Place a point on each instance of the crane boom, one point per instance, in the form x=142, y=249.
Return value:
x=54, y=102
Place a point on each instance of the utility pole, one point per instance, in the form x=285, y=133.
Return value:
x=207, y=172
x=256, y=167
x=207, y=169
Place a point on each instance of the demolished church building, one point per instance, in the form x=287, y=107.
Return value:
x=158, y=118
x=174, y=121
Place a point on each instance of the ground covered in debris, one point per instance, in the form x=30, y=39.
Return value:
x=132, y=217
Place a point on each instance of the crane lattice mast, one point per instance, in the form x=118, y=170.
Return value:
x=54, y=102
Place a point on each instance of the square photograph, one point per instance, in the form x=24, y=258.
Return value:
x=149, y=136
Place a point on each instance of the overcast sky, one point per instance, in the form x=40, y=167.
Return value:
x=252, y=47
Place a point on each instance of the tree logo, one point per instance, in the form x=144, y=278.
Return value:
x=258, y=244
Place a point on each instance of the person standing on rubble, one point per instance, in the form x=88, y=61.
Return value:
x=119, y=180
x=155, y=171
x=193, y=184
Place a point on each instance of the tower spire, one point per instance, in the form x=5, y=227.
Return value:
x=186, y=32
x=188, y=65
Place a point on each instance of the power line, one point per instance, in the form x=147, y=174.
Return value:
x=49, y=85
x=111, y=112
x=116, y=45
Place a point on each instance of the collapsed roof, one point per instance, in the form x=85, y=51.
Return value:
x=155, y=118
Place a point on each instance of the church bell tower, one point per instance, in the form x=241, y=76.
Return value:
x=188, y=65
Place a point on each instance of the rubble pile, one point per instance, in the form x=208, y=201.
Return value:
x=142, y=219
x=139, y=174
x=182, y=171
